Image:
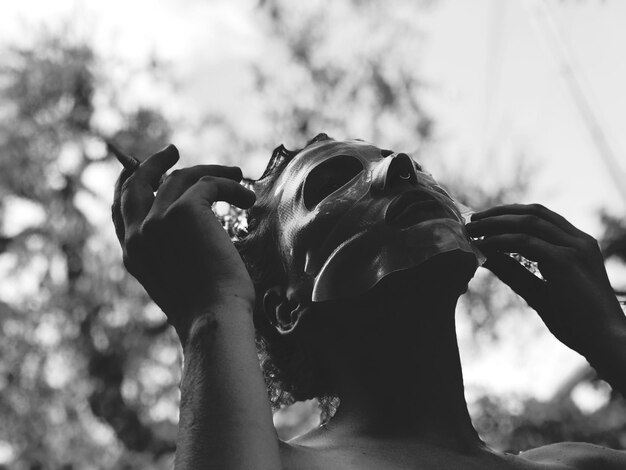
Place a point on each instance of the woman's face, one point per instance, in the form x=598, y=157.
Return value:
x=350, y=213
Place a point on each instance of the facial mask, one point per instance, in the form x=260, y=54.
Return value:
x=349, y=216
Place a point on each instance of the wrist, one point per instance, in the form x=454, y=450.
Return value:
x=232, y=314
x=608, y=341
x=608, y=356
x=613, y=346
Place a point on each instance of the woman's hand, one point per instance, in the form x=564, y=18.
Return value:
x=173, y=243
x=575, y=298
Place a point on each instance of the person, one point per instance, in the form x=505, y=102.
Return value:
x=350, y=271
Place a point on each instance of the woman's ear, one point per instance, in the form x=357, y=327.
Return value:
x=282, y=313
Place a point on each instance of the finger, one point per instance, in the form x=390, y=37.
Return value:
x=530, y=247
x=137, y=192
x=210, y=189
x=528, y=224
x=116, y=207
x=517, y=277
x=181, y=180
x=130, y=164
x=529, y=209
x=155, y=166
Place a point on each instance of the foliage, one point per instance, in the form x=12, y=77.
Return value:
x=371, y=92
x=614, y=239
x=535, y=423
x=80, y=345
x=90, y=370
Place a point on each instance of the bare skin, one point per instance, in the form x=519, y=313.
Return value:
x=396, y=365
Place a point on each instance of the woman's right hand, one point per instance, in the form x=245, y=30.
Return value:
x=173, y=243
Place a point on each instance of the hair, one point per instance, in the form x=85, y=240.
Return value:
x=292, y=371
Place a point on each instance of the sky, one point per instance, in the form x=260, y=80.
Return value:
x=498, y=91
x=517, y=97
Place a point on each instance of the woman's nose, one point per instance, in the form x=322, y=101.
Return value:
x=394, y=171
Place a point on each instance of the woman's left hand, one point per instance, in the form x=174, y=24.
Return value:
x=575, y=299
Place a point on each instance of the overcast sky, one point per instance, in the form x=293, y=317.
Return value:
x=499, y=91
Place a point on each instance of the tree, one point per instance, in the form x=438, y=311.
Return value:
x=90, y=371
x=76, y=344
x=375, y=93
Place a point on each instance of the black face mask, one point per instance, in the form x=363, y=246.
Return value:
x=348, y=216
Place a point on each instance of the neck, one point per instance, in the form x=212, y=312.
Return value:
x=407, y=382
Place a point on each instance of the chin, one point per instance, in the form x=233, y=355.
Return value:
x=444, y=277
x=446, y=273
x=455, y=268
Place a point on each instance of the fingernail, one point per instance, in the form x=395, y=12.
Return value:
x=171, y=151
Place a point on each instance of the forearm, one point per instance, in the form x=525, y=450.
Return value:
x=225, y=417
x=608, y=357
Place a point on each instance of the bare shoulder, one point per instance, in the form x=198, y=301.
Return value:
x=578, y=456
x=295, y=457
x=565, y=456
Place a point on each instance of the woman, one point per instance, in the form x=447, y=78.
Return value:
x=351, y=269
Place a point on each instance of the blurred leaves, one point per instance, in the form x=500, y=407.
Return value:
x=613, y=242
x=534, y=423
x=373, y=90
x=146, y=132
x=71, y=337
x=89, y=372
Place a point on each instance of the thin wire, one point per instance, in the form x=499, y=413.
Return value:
x=496, y=40
x=544, y=23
